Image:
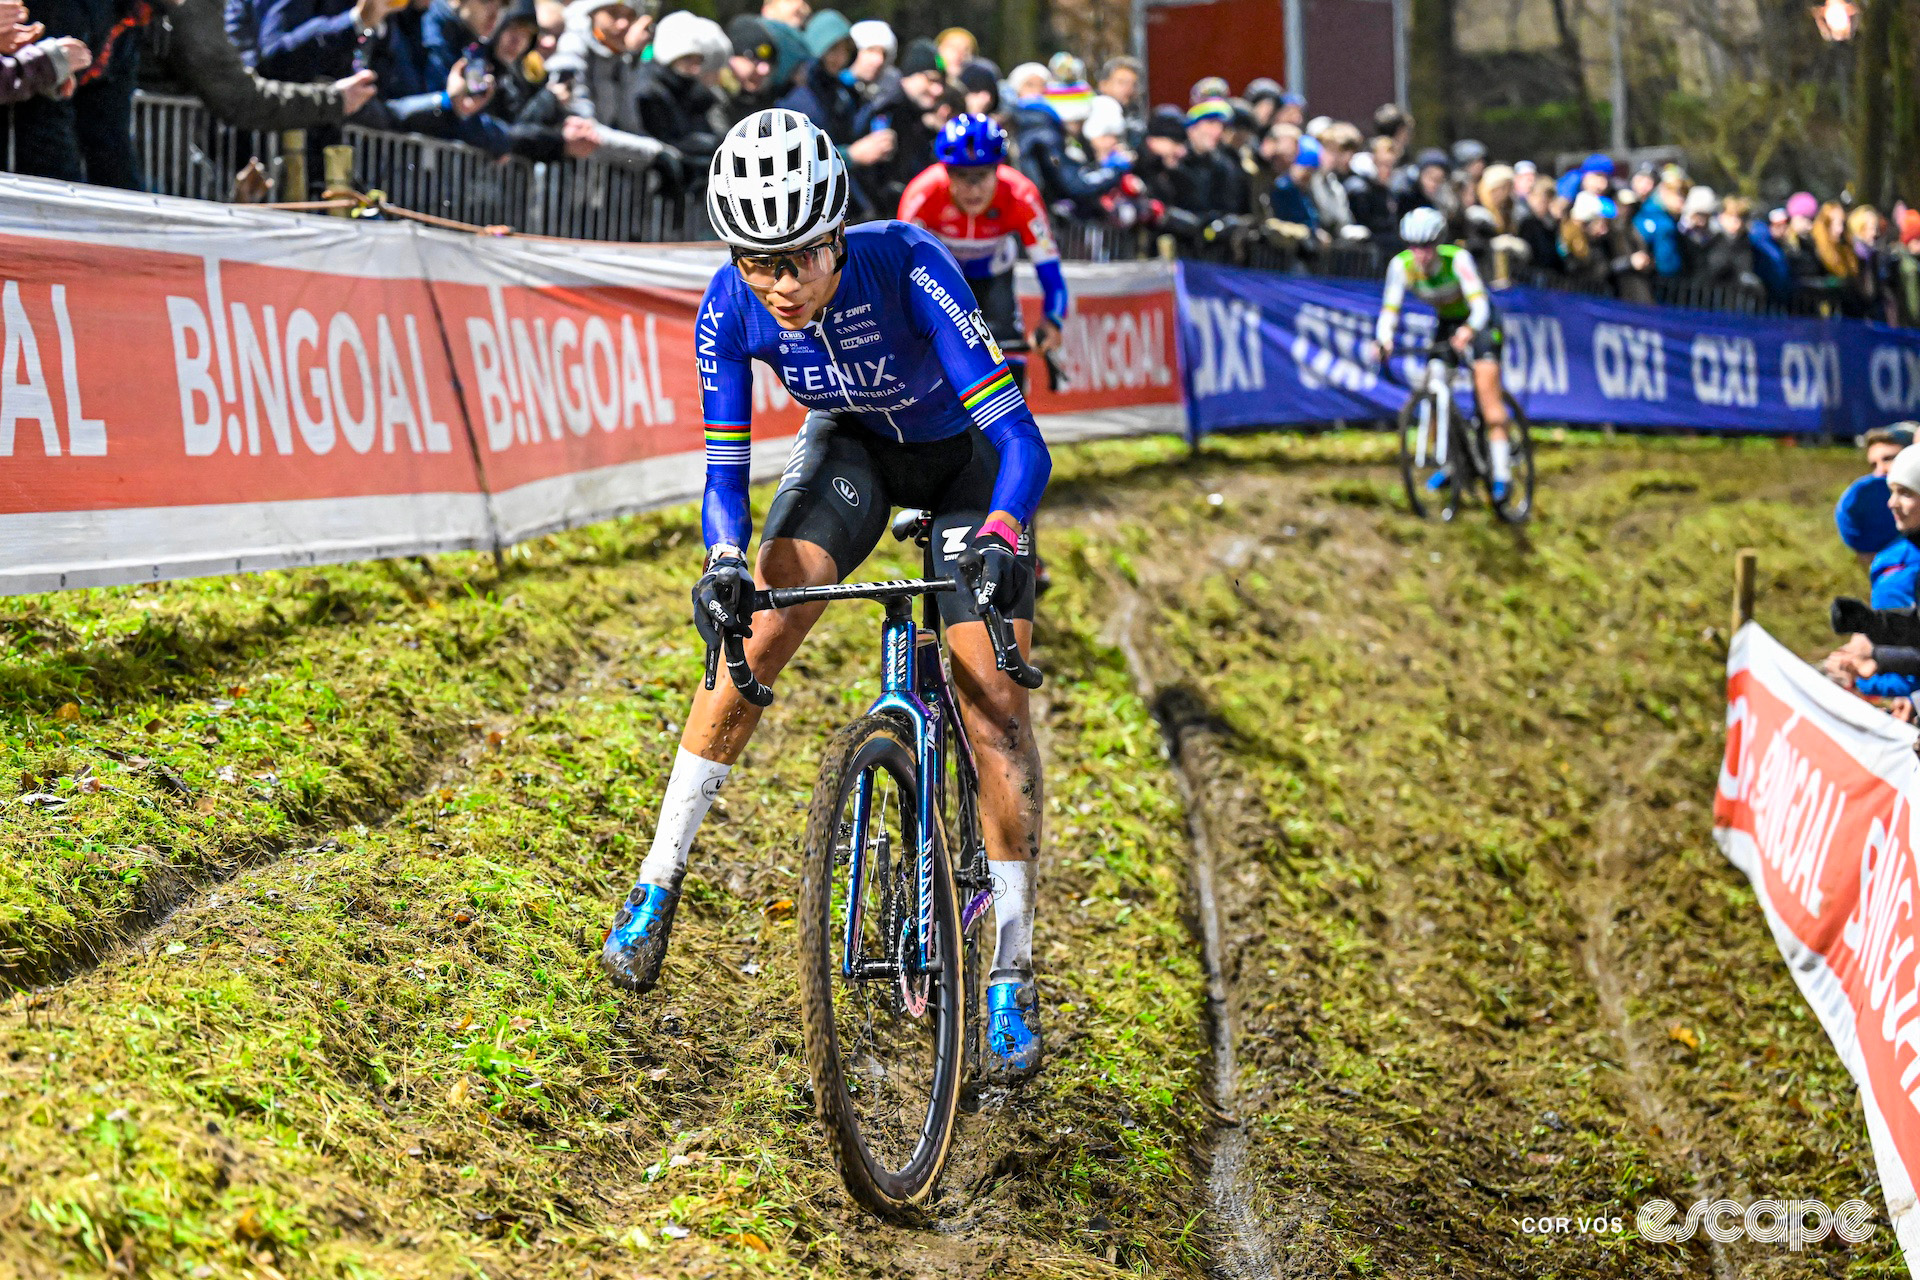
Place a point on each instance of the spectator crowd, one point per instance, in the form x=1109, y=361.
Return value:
x=1225, y=173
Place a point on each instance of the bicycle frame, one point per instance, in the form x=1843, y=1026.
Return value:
x=914, y=685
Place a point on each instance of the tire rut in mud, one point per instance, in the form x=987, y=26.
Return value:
x=419, y=1006
x=1242, y=1249
x=1487, y=966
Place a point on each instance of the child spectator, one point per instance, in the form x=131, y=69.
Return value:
x=1861, y=515
x=1894, y=573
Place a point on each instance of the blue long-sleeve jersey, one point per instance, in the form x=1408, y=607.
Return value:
x=901, y=348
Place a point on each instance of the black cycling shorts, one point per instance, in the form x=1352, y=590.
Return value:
x=1486, y=343
x=843, y=482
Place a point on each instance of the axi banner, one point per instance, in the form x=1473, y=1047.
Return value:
x=190, y=388
x=1264, y=349
x=1815, y=807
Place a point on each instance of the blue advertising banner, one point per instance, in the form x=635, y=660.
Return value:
x=1263, y=349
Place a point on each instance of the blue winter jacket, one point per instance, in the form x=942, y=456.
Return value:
x=1662, y=234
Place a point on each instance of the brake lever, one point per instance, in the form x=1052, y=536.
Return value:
x=1056, y=377
x=743, y=678
x=713, y=664
x=1006, y=651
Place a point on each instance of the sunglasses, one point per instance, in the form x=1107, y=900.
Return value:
x=808, y=263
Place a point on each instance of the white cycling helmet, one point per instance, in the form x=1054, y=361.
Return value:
x=777, y=181
x=1423, y=226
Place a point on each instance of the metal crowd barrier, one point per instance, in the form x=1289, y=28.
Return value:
x=186, y=152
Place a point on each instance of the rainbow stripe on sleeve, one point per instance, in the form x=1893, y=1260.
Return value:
x=729, y=444
x=993, y=397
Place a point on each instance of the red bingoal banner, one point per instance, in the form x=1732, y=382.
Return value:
x=191, y=388
x=1815, y=806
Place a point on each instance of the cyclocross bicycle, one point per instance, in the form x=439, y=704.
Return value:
x=893, y=886
x=1443, y=454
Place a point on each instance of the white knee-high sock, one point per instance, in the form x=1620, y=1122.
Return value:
x=690, y=791
x=1013, y=921
x=1502, y=459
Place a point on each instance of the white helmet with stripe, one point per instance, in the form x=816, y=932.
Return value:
x=777, y=181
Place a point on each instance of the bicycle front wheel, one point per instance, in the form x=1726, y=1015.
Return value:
x=884, y=1023
x=1517, y=506
x=1428, y=438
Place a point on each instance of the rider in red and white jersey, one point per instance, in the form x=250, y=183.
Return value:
x=986, y=212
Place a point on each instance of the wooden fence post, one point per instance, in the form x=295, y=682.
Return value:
x=1744, y=563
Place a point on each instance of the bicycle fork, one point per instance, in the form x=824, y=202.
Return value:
x=1439, y=407
x=902, y=654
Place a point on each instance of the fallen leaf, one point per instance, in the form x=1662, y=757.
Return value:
x=679, y=1162
x=460, y=1092
x=67, y=711
x=152, y=726
x=249, y=1226
x=227, y=773
x=674, y=1231
x=238, y=690
x=657, y=1074
x=780, y=908
x=495, y=737
x=43, y=797
x=204, y=805
x=466, y=1020
x=1684, y=1035
x=751, y=1241
x=520, y=1024
x=415, y=1151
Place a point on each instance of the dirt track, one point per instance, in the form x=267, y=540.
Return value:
x=1480, y=961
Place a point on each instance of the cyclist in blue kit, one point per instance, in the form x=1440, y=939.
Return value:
x=911, y=404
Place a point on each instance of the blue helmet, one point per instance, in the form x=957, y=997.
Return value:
x=970, y=142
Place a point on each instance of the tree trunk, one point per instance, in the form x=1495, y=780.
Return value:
x=1020, y=30
x=1577, y=73
x=1903, y=44
x=1872, y=101
x=1430, y=58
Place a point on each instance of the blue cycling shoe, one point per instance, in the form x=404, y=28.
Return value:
x=636, y=946
x=1501, y=489
x=1439, y=480
x=1014, y=1049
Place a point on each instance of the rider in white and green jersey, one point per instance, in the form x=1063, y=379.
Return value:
x=1445, y=278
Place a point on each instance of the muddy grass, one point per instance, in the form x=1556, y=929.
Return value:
x=1485, y=962
x=384, y=1050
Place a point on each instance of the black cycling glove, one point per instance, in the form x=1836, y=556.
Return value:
x=720, y=598
x=995, y=548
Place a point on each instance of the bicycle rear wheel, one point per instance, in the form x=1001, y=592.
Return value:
x=1518, y=505
x=1427, y=466
x=884, y=1031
